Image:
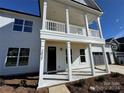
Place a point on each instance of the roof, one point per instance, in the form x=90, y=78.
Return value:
x=108, y=40
x=20, y=12
x=89, y=3
x=120, y=40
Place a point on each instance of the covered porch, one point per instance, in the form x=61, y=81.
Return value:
x=63, y=61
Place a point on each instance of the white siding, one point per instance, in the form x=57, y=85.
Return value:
x=10, y=38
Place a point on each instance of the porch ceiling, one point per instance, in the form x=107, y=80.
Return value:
x=56, y=12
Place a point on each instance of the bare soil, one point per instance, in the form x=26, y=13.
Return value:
x=112, y=83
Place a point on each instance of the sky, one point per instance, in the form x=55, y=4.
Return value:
x=112, y=20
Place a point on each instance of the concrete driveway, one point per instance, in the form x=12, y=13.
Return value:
x=114, y=68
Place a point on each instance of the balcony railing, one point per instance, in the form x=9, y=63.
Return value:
x=77, y=30
x=94, y=33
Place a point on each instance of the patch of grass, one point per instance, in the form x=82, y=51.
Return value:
x=100, y=79
x=115, y=74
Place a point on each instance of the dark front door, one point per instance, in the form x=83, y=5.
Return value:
x=51, y=59
x=108, y=56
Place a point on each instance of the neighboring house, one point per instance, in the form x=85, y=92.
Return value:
x=118, y=49
x=62, y=33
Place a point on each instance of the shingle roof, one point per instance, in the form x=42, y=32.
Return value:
x=120, y=40
x=108, y=40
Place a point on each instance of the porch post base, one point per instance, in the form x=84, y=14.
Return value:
x=91, y=60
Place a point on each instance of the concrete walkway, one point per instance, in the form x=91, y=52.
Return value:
x=59, y=89
x=114, y=68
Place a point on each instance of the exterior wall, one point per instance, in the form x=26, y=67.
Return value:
x=14, y=39
x=61, y=55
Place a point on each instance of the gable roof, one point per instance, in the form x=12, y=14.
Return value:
x=120, y=40
x=89, y=3
x=108, y=40
x=20, y=12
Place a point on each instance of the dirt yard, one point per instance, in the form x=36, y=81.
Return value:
x=112, y=83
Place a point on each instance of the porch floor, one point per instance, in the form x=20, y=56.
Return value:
x=61, y=77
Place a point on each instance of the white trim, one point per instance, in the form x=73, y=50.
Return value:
x=105, y=59
x=69, y=61
x=51, y=35
x=91, y=60
x=44, y=14
x=99, y=26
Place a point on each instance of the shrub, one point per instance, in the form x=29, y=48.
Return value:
x=22, y=83
x=115, y=74
x=100, y=79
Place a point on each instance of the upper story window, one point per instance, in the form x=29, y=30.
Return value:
x=23, y=25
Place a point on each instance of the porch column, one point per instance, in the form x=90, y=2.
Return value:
x=87, y=25
x=105, y=59
x=44, y=15
x=67, y=21
x=91, y=60
x=42, y=56
x=69, y=60
x=99, y=27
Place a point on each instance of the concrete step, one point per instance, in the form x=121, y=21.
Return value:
x=59, y=89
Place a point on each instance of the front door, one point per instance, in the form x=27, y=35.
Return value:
x=108, y=56
x=51, y=66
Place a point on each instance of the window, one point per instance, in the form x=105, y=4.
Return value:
x=12, y=57
x=18, y=25
x=82, y=55
x=24, y=56
x=23, y=25
x=67, y=57
x=17, y=57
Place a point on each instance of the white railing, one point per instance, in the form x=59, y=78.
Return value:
x=61, y=27
x=94, y=33
x=77, y=30
x=55, y=26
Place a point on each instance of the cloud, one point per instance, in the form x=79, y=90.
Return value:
x=121, y=27
x=117, y=20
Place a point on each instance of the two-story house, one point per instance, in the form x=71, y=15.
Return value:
x=117, y=45
x=60, y=39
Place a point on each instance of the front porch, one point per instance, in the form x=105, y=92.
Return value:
x=63, y=61
x=77, y=74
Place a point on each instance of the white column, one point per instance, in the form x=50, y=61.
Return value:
x=44, y=15
x=105, y=59
x=91, y=60
x=42, y=56
x=99, y=27
x=87, y=25
x=69, y=60
x=67, y=21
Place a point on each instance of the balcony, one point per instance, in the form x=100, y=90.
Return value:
x=74, y=30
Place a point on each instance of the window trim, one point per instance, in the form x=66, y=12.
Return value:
x=82, y=55
x=17, y=63
x=23, y=25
